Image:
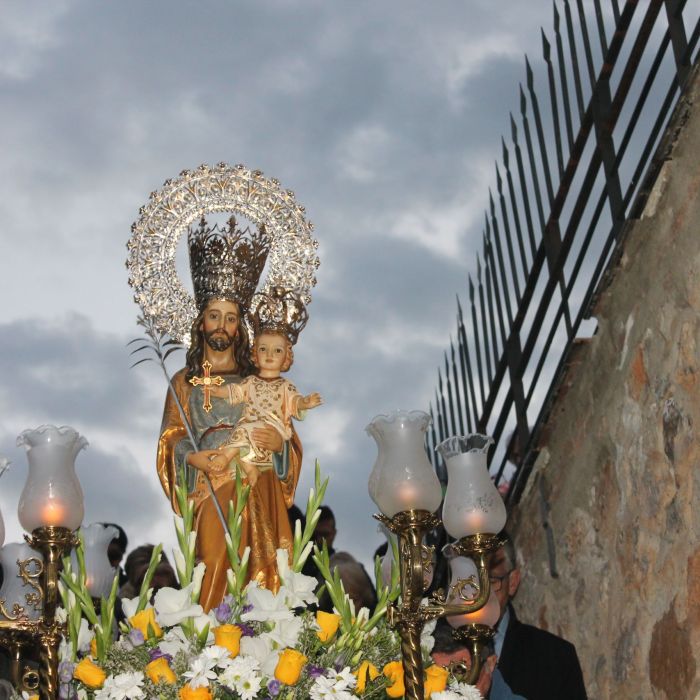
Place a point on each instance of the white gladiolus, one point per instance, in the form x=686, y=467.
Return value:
x=299, y=588
x=173, y=606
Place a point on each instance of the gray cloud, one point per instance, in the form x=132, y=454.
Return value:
x=385, y=118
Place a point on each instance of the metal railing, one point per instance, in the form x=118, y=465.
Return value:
x=573, y=173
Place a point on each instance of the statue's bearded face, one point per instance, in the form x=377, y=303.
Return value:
x=220, y=324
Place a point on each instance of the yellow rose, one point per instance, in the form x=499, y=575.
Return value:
x=328, y=622
x=435, y=680
x=89, y=674
x=289, y=666
x=229, y=637
x=394, y=672
x=189, y=693
x=145, y=622
x=159, y=670
x=366, y=671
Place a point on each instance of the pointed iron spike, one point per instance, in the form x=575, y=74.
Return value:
x=471, y=288
x=529, y=77
x=523, y=101
x=556, y=15
x=546, y=48
x=459, y=308
x=514, y=127
x=504, y=151
x=487, y=233
x=491, y=205
x=499, y=181
x=478, y=269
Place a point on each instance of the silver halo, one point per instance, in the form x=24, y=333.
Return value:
x=292, y=261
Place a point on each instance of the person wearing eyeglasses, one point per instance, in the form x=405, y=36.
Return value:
x=534, y=663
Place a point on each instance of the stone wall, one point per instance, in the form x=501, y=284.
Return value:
x=619, y=464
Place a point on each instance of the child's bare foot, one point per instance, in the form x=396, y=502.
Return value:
x=253, y=474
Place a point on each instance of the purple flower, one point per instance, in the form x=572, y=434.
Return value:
x=136, y=637
x=157, y=653
x=248, y=630
x=247, y=608
x=67, y=692
x=315, y=671
x=273, y=687
x=65, y=671
x=223, y=612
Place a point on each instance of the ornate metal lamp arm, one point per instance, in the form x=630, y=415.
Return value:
x=53, y=543
x=410, y=527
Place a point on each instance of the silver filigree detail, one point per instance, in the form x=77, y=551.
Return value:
x=182, y=201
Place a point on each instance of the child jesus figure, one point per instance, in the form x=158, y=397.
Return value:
x=267, y=399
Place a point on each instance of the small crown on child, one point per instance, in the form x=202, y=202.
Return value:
x=280, y=311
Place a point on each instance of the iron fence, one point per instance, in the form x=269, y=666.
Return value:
x=577, y=167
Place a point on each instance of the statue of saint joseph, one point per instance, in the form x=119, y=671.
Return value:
x=226, y=266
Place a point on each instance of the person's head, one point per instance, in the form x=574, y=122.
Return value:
x=447, y=648
x=504, y=572
x=272, y=353
x=356, y=582
x=325, y=528
x=219, y=327
x=295, y=513
x=117, y=547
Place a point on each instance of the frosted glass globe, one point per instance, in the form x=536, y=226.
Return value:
x=402, y=478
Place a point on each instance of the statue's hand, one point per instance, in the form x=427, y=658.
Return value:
x=220, y=392
x=268, y=439
x=310, y=401
x=207, y=461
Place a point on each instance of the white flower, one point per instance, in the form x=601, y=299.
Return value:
x=339, y=686
x=286, y=632
x=427, y=640
x=201, y=672
x=85, y=635
x=123, y=686
x=324, y=688
x=200, y=622
x=260, y=648
x=345, y=678
x=61, y=615
x=299, y=587
x=173, y=606
x=458, y=691
x=266, y=605
x=173, y=641
x=217, y=656
x=242, y=675
x=129, y=605
x=197, y=578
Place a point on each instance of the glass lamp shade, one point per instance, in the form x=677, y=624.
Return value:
x=472, y=502
x=402, y=477
x=99, y=573
x=52, y=493
x=488, y=615
x=14, y=590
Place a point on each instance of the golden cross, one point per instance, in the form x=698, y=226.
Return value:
x=206, y=381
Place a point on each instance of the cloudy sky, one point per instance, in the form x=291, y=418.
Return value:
x=385, y=119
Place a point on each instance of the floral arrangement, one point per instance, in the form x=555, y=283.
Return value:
x=256, y=644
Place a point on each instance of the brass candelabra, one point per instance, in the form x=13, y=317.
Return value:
x=17, y=631
x=410, y=616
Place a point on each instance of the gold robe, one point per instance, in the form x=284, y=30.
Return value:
x=265, y=526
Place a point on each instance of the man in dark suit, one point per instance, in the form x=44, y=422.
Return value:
x=535, y=664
